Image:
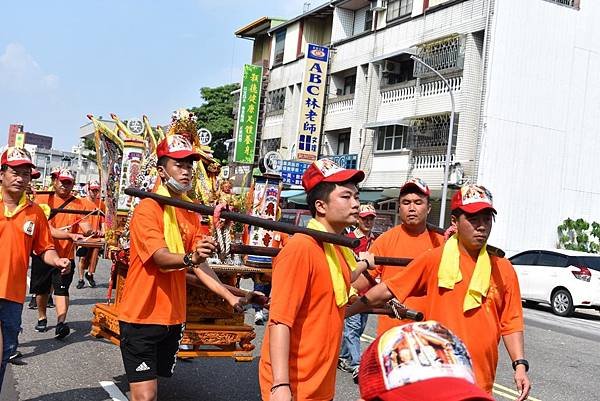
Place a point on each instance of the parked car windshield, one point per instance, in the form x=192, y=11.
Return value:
x=591, y=262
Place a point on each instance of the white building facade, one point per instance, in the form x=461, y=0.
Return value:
x=526, y=84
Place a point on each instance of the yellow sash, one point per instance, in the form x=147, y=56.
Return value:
x=171, y=228
x=20, y=206
x=449, y=273
x=335, y=268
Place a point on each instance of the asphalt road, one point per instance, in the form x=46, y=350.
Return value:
x=563, y=352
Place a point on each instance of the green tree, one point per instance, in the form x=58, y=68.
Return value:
x=216, y=114
x=579, y=235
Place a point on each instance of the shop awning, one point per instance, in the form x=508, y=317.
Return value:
x=365, y=197
x=287, y=193
x=399, y=121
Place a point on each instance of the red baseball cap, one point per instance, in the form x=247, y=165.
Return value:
x=63, y=174
x=472, y=199
x=417, y=184
x=418, y=361
x=14, y=157
x=325, y=170
x=176, y=147
x=35, y=174
x=94, y=184
x=366, y=210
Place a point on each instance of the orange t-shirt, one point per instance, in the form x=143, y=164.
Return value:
x=151, y=296
x=398, y=243
x=480, y=329
x=64, y=247
x=21, y=234
x=95, y=220
x=302, y=298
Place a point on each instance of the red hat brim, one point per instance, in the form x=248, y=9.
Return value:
x=35, y=174
x=475, y=207
x=17, y=163
x=438, y=389
x=365, y=214
x=183, y=154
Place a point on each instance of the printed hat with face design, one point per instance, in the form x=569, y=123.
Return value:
x=325, y=170
x=418, y=361
x=472, y=199
x=417, y=184
x=63, y=174
x=366, y=210
x=94, y=184
x=15, y=157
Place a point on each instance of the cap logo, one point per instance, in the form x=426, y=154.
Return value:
x=327, y=167
x=419, y=183
x=421, y=351
x=475, y=194
x=17, y=154
x=176, y=143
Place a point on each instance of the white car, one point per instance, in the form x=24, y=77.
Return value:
x=564, y=279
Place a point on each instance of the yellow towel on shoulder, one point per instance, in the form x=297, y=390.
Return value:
x=449, y=273
x=20, y=206
x=335, y=268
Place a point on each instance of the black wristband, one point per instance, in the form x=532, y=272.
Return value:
x=275, y=387
x=187, y=259
x=364, y=300
x=367, y=262
x=523, y=362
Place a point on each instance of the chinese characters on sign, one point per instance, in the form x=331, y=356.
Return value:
x=311, y=107
x=291, y=172
x=248, y=114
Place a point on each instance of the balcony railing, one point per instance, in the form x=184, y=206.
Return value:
x=398, y=94
x=430, y=161
x=340, y=105
x=438, y=87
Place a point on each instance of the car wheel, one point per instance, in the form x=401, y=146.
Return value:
x=562, y=303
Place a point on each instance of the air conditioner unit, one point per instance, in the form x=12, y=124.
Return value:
x=378, y=5
x=390, y=67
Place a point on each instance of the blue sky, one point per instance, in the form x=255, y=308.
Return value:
x=61, y=60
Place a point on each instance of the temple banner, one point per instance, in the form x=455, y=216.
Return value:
x=248, y=114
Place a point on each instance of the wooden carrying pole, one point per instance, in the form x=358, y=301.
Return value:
x=246, y=219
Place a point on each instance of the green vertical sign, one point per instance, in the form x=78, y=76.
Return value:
x=248, y=114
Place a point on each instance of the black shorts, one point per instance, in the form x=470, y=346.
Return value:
x=45, y=277
x=82, y=251
x=149, y=350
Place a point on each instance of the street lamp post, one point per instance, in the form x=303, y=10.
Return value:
x=450, y=132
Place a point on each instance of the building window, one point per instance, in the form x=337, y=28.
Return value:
x=430, y=134
x=343, y=145
x=397, y=71
x=568, y=3
x=279, y=47
x=447, y=54
x=398, y=8
x=391, y=138
x=276, y=100
x=349, y=85
x=268, y=145
x=363, y=20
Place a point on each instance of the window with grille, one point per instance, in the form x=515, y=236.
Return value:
x=568, y=3
x=431, y=132
x=391, y=137
x=349, y=85
x=268, y=145
x=343, y=145
x=398, y=8
x=443, y=55
x=279, y=47
x=276, y=100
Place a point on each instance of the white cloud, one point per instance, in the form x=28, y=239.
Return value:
x=21, y=74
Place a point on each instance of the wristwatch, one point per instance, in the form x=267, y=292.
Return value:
x=364, y=300
x=187, y=259
x=523, y=362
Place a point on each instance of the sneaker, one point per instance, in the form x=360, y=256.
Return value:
x=355, y=375
x=259, y=318
x=41, y=325
x=32, y=303
x=15, y=355
x=344, y=366
x=50, y=302
x=90, y=278
x=62, y=330
x=80, y=284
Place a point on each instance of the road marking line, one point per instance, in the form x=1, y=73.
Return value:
x=505, y=395
x=113, y=391
x=500, y=387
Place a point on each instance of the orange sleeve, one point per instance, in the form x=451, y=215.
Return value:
x=42, y=240
x=291, y=274
x=411, y=281
x=511, y=318
x=147, y=229
x=377, y=249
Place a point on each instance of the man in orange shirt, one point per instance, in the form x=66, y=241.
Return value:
x=164, y=241
x=64, y=228
x=472, y=293
x=311, y=282
x=408, y=240
x=24, y=229
x=88, y=255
